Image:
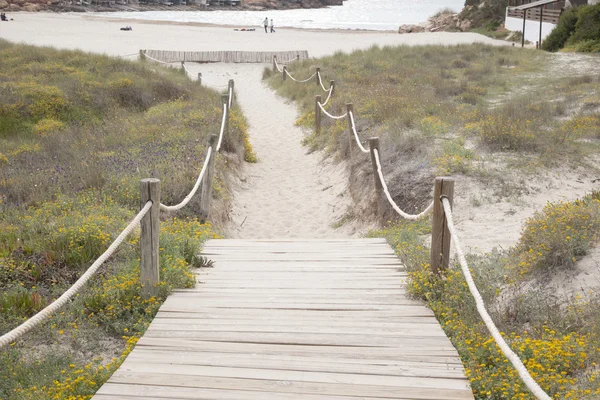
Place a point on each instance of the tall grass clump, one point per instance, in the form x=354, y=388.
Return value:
x=77, y=134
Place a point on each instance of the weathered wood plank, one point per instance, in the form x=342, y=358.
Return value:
x=286, y=386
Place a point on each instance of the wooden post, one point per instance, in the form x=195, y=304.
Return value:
x=318, y=76
x=351, y=139
x=232, y=87
x=142, y=55
x=297, y=57
x=149, y=270
x=332, y=85
x=200, y=78
x=183, y=66
x=440, y=235
x=317, y=115
x=374, y=144
x=206, y=188
x=274, y=63
x=284, y=72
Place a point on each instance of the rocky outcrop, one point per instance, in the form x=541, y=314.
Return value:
x=24, y=5
x=409, y=28
x=449, y=22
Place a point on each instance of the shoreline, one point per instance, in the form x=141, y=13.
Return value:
x=209, y=25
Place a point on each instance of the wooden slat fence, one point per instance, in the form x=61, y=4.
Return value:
x=550, y=16
x=226, y=56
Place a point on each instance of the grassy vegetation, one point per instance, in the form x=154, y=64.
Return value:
x=77, y=133
x=448, y=105
x=578, y=30
x=475, y=110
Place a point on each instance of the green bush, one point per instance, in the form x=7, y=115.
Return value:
x=588, y=46
x=566, y=26
x=558, y=235
x=587, y=26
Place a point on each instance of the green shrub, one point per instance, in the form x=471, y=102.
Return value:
x=558, y=235
x=588, y=46
x=587, y=26
x=566, y=26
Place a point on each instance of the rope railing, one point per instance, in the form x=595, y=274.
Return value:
x=297, y=80
x=44, y=314
x=276, y=64
x=223, y=124
x=355, y=133
x=207, y=159
x=330, y=115
x=514, y=359
x=329, y=95
x=404, y=215
x=187, y=198
x=321, y=82
x=187, y=71
x=149, y=219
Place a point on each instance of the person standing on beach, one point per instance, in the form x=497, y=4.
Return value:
x=266, y=24
x=272, y=26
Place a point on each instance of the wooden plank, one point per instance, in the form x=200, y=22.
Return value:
x=289, y=375
x=405, y=331
x=113, y=391
x=314, y=364
x=286, y=386
x=357, y=352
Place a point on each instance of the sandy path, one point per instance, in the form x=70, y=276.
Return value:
x=288, y=193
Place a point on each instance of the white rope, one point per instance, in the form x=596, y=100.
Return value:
x=230, y=99
x=332, y=116
x=512, y=357
x=392, y=202
x=154, y=59
x=296, y=80
x=360, y=146
x=196, y=186
x=321, y=82
x=187, y=71
x=41, y=316
x=328, y=96
x=223, y=122
x=277, y=66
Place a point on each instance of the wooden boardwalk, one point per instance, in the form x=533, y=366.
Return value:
x=291, y=320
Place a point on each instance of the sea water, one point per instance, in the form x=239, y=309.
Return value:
x=354, y=14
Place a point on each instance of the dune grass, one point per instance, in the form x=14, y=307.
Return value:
x=77, y=133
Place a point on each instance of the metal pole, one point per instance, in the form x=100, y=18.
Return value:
x=541, y=20
x=523, y=38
